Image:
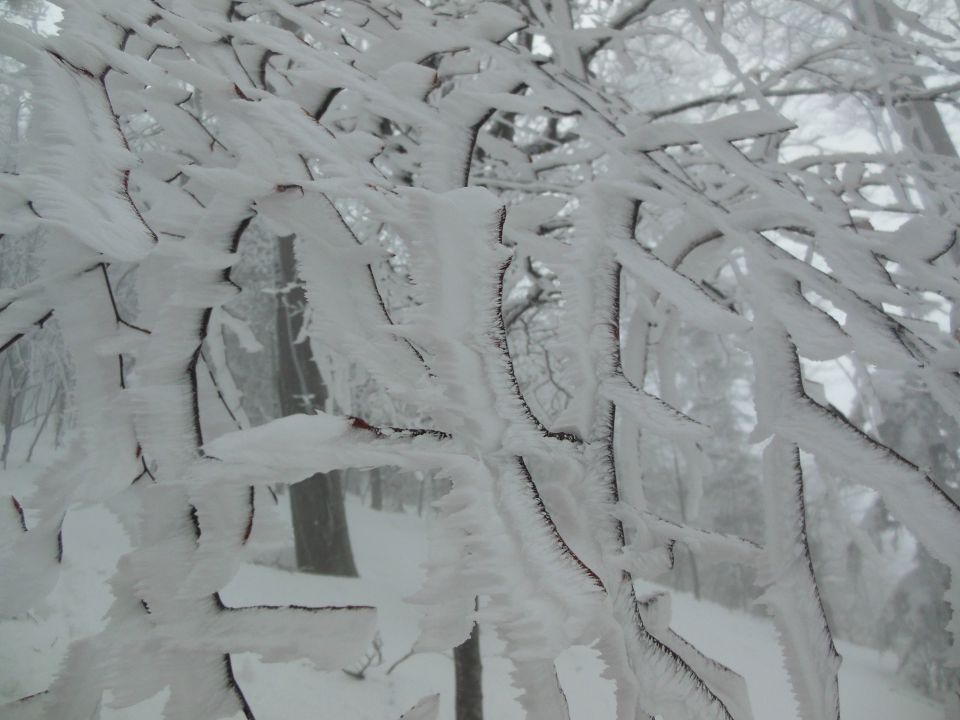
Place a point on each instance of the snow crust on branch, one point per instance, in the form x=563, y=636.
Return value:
x=314, y=119
x=792, y=591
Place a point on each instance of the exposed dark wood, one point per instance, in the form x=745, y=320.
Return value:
x=468, y=670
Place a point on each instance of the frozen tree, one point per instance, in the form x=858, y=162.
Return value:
x=502, y=153
x=322, y=542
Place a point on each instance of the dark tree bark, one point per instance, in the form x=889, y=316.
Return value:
x=468, y=671
x=320, y=529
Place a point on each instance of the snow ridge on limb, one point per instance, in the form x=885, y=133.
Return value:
x=649, y=411
x=703, y=543
x=651, y=677
x=425, y=709
x=347, y=311
x=784, y=408
x=590, y=280
x=157, y=607
x=499, y=363
x=449, y=146
x=555, y=592
x=504, y=378
x=655, y=611
x=667, y=684
x=455, y=258
x=876, y=335
x=283, y=449
x=84, y=304
x=456, y=242
x=29, y=558
x=78, y=183
x=165, y=628
x=493, y=522
x=226, y=515
x=679, y=289
x=542, y=595
x=541, y=695
x=540, y=509
x=425, y=37
x=924, y=507
x=817, y=335
x=287, y=130
x=18, y=316
x=792, y=592
x=452, y=582
x=144, y=649
x=275, y=632
x=492, y=538
x=197, y=505
x=658, y=136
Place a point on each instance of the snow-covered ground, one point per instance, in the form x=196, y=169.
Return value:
x=389, y=548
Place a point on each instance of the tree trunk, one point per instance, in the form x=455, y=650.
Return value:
x=9, y=389
x=467, y=668
x=468, y=671
x=319, y=519
x=682, y=499
x=320, y=526
x=46, y=417
x=923, y=126
x=376, y=489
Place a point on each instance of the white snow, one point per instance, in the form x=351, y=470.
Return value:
x=389, y=549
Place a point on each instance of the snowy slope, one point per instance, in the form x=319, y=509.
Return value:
x=389, y=549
